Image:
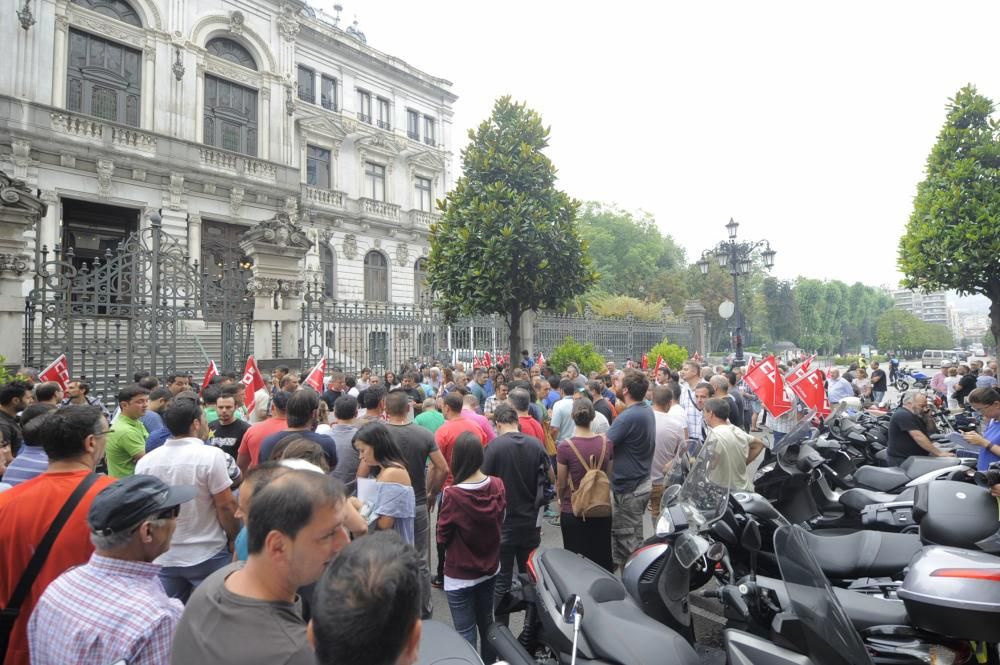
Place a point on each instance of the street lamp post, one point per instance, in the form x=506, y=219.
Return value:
x=738, y=257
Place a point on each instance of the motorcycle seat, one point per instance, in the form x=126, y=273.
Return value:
x=614, y=627
x=866, y=611
x=881, y=479
x=863, y=553
x=859, y=498
x=918, y=466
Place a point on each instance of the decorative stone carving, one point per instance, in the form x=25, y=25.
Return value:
x=13, y=192
x=105, y=169
x=261, y=198
x=149, y=54
x=269, y=286
x=350, y=246
x=280, y=230
x=292, y=207
x=208, y=188
x=377, y=243
x=176, y=190
x=139, y=174
x=67, y=161
x=236, y=200
x=402, y=254
x=288, y=27
x=22, y=157
x=236, y=22
x=424, y=250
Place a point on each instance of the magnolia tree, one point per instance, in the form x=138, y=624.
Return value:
x=507, y=242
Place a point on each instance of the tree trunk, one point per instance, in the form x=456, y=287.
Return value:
x=994, y=296
x=515, y=339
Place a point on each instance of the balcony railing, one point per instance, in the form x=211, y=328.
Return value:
x=364, y=117
x=429, y=140
x=413, y=135
x=232, y=162
x=422, y=219
x=384, y=124
x=326, y=197
x=380, y=209
x=99, y=131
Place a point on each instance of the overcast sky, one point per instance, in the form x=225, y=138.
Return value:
x=808, y=122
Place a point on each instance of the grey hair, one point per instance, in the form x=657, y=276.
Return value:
x=910, y=396
x=119, y=539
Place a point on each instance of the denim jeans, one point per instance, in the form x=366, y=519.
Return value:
x=180, y=581
x=472, y=609
x=516, y=543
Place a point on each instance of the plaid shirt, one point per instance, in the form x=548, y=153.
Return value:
x=695, y=420
x=92, y=401
x=103, y=611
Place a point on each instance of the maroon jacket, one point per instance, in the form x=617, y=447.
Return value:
x=469, y=528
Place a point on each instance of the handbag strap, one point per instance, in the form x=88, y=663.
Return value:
x=30, y=574
x=586, y=467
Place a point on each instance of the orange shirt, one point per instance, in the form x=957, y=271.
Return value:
x=255, y=436
x=445, y=438
x=26, y=512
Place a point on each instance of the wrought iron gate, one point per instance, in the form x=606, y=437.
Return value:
x=131, y=310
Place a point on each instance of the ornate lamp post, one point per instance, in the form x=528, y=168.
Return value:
x=738, y=257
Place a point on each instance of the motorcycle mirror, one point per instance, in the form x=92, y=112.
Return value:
x=716, y=551
x=669, y=497
x=572, y=608
x=750, y=538
x=723, y=531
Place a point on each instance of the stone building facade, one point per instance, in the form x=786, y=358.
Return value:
x=220, y=115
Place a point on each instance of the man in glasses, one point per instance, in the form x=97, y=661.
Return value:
x=114, y=606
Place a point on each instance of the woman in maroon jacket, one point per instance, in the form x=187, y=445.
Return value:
x=468, y=526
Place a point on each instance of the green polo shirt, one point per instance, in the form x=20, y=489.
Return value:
x=430, y=420
x=127, y=439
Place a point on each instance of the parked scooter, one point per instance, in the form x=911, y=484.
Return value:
x=440, y=644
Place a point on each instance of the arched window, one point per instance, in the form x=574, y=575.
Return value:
x=376, y=277
x=103, y=78
x=421, y=294
x=117, y=9
x=230, y=116
x=231, y=50
x=327, y=266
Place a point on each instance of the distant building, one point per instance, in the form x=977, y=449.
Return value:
x=929, y=307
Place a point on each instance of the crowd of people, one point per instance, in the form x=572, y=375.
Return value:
x=183, y=527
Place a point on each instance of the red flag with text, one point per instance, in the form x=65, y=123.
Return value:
x=660, y=362
x=800, y=371
x=766, y=382
x=645, y=361
x=487, y=359
x=209, y=373
x=253, y=382
x=476, y=362
x=316, y=376
x=810, y=390
x=58, y=371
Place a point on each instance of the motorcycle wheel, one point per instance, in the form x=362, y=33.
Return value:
x=902, y=386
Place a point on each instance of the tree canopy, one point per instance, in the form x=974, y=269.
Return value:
x=952, y=239
x=507, y=241
x=899, y=329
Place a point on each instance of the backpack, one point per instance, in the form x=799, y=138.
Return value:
x=593, y=497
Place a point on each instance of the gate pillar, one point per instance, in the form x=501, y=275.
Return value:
x=19, y=210
x=694, y=313
x=277, y=248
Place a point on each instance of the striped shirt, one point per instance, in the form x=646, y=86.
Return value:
x=103, y=611
x=30, y=462
x=695, y=420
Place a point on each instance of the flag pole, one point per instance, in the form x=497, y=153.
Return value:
x=202, y=349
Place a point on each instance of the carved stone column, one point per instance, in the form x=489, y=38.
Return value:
x=277, y=248
x=20, y=209
x=694, y=314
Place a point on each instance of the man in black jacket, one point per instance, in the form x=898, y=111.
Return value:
x=520, y=461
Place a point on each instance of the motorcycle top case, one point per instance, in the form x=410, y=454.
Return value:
x=954, y=592
x=955, y=514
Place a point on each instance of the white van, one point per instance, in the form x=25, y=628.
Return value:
x=934, y=358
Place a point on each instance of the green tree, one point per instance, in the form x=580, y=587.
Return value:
x=674, y=354
x=585, y=356
x=507, y=241
x=952, y=239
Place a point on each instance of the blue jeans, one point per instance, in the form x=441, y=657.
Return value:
x=180, y=581
x=472, y=608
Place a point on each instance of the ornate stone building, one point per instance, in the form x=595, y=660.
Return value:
x=220, y=115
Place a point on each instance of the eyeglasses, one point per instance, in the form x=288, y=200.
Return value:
x=104, y=432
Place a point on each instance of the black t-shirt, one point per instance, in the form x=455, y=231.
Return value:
x=416, y=394
x=417, y=444
x=325, y=442
x=878, y=381
x=901, y=444
x=735, y=409
x=228, y=437
x=602, y=406
x=519, y=461
x=966, y=385
x=330, y=396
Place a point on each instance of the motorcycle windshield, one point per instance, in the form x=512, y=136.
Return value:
x=705, y=492
x=830, y=637
x=802, y=432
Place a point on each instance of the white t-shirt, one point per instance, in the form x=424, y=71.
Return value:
x=188, y=461
x=669, y=441
x=676, y=411
x=562, y=418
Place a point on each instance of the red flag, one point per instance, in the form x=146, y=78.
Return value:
x=253, y=382
x=209, y=373
x=58, y=371
x=660, y=362
x=765, y=381
x=799, y=371
x=317, y=375
x=645, y=361
x=487, y=359
x=541, y=359
x=809, y=389
x=476, y=362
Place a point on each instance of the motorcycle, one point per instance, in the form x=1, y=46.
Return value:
x=907, y=378
x=441, y=645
